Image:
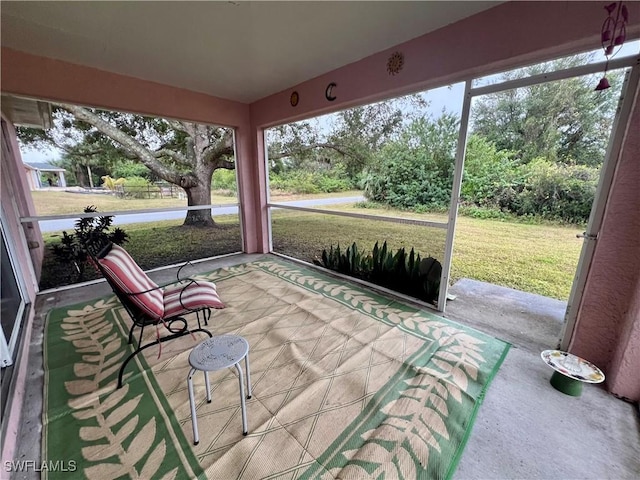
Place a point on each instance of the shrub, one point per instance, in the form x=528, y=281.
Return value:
x=487, y=172
x=444, y=208
x=475, y=211
x=131, y=169
x=90, y=234
x=406, y=179
x=224, y=179
x=111, y=183
x=293, y=182
x=403, y=273
x=417, y=169
x=304, y=181
x=556, y=191
x=138, y=187
x=329, y=184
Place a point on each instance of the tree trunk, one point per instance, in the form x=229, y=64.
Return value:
x=199, y=195
x=90, y=175
x=81, y=176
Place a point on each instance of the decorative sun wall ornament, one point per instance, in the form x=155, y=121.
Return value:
x=395, y=63
x=294, y=99
x=613, y=35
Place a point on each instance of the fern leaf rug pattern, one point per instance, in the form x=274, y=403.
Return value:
x=346, y=384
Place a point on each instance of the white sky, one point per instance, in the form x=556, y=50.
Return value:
x=35, y=156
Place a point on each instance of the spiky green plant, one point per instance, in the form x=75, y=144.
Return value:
x=404, y=273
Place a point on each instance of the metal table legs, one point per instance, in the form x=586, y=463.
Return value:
x=192, y=403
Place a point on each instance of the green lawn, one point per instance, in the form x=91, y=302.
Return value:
x=155, y=245
x=535, y=258
x=61, y=203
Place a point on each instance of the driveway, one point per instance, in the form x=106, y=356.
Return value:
x=68, y=223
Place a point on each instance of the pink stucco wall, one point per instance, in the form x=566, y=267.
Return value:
x=260, y=179
x=608, y=327
x=49, y=79
x=509, y=35
x=624, y=377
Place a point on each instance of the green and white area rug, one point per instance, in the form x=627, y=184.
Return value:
x=346, y=384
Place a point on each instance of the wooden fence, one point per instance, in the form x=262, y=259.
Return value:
x=151, y=191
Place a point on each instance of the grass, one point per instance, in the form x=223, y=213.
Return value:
x=537, y=258
x=61, y=203
x=305, y=235
x=155, y=245
x=533, y=258
x=532, y=255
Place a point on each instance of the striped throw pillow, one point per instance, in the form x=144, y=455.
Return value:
x=181, y=299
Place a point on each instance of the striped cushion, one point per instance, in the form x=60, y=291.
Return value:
x=181, y=299
x=130, y=278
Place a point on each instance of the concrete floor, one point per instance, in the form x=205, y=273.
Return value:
x=525, y=428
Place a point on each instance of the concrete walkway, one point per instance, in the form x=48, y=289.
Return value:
x=520, y=318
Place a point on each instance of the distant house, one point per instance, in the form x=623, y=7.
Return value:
x=35, y=172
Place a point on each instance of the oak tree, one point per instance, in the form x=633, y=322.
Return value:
x=182, y=153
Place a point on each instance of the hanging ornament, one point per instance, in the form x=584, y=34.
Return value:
x=612, y=36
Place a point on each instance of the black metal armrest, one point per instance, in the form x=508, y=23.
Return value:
x=178, y=279
x=188, y=280
x=191, y=282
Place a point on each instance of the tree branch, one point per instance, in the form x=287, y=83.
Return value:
x=216, y=152
x=225, y=164
x=312, y=146
x=176, y=125
x=78, y=153
x=131, y=145
x=177, y=156
x=186, y=127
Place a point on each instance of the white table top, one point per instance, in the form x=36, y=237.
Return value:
x=572, y=366
x=218, y=352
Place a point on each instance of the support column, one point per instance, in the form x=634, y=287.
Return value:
x=252, y=192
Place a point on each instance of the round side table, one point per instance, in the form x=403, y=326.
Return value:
x=571, y=372
x=217, y=353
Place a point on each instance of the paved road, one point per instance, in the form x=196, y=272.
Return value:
x=67, y=224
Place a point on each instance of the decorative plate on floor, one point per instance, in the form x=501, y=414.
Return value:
x=573, y=366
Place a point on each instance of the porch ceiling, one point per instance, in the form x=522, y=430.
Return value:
x=240, y=51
